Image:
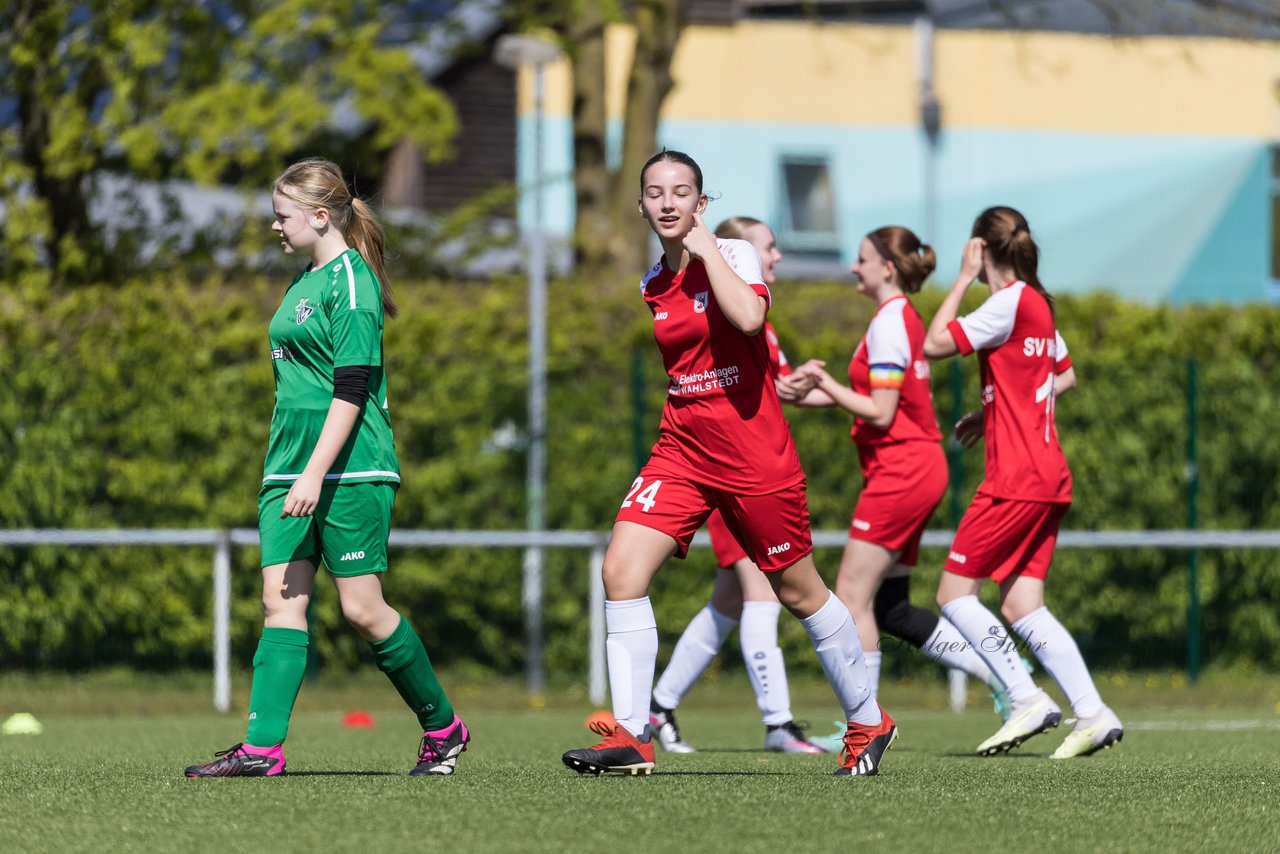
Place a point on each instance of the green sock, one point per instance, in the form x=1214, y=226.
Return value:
x=404, y=659
x=278, y=668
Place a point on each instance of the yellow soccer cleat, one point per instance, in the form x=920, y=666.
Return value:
x=1088, y=738
x=1040, y=715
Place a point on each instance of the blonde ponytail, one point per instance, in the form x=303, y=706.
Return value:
x=366, y=234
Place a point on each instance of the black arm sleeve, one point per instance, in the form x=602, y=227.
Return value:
x=351, y=384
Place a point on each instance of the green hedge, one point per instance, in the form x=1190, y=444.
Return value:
x=147, y=405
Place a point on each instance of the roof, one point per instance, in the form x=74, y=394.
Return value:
x=1255, y=19
x=454, y=27
x=1258, y=19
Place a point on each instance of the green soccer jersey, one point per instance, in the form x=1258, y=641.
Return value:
x=331, y=317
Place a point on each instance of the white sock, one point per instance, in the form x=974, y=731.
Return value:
x=949, y=648
x=987, y=638
x=699, y=644
x=632, y=650
x=873, y=673
x=1058, y=653
x=835, y=639
x=760, y=651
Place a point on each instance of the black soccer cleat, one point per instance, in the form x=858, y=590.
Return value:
x=619, y=752
x=236, y=761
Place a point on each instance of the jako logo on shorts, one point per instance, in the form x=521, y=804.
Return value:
x=777, y=550
x=353, y=556
x=956, y=556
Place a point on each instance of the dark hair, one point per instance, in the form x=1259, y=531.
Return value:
x=680, y=157
x=735, y=227
x=318, y=183
x=913, y=260
x=1008, y=239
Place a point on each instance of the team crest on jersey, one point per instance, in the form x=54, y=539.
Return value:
x=302, y=311
x=700, y=302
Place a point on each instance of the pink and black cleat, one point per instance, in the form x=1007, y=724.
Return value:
x=242, y=760
x=438, y=755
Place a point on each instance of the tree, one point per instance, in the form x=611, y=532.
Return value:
x=217, y=91
x=607, y=232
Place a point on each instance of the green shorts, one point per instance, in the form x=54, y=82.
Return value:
x=348, y=531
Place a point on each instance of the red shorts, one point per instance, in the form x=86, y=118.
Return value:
x=723, y=543
x=904, y=483
x=1002, y=537
x=773, y=529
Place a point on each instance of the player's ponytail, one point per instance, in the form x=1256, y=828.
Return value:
x=1009, y=240
x=912, y=260
x=318, y=183
x=366, y=234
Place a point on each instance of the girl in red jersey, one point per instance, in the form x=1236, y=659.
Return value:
x=742, y=595
x=904, y=469
x=1009, y=531
x=723, y=445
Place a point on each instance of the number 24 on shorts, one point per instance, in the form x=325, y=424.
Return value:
x=646, y=497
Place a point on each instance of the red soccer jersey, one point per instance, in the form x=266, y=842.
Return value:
x=723, y=424
x=1020, y=353
x=891, y=355
x=778, y=364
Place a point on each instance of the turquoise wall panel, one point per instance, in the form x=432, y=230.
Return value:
x=1153, y=218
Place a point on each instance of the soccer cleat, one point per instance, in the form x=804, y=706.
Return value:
x=833, y=743
x=864, y=746
x=663, y=723
x=242, y=760
x=1037, y=717
x=620, y=752
x=789, y=738
x=1088, y=738
x=438, y=754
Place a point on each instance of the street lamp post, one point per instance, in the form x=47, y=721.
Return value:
x=515, y=51
x=931, y=123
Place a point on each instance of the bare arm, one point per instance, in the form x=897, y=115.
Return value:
x=877, y=409
x=938, y=341
x=801, y=389
x=1064, y=381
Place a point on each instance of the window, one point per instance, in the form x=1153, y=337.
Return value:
x=1273, y=290
x=808, y=216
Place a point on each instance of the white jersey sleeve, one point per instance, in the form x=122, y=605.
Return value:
x=887, y=341
x=992, y=324
x=742, y=257
x=1063, y=360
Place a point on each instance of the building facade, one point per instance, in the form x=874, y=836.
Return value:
x=1146, y=164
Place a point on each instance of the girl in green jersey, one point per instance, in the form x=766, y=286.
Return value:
x=330, y=474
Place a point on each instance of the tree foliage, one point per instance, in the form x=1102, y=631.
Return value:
x=213, y=92
x=608, y=236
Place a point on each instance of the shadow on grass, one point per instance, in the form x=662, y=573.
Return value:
x=665, y=773
x=342, y=774
x=996, y=758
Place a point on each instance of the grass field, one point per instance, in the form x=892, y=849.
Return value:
x=1198, y=769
